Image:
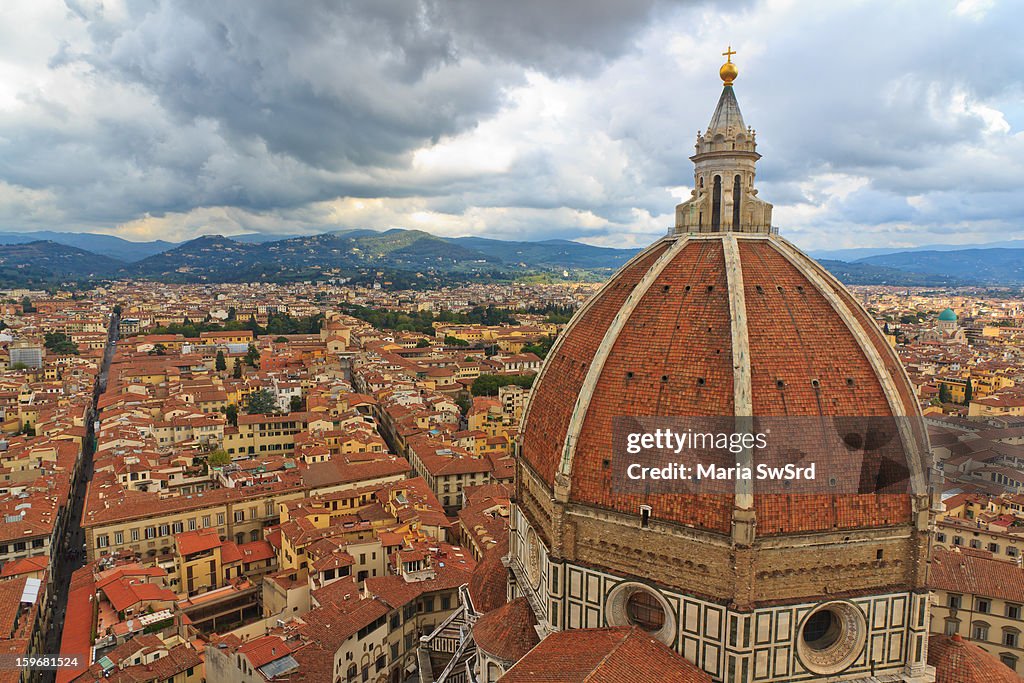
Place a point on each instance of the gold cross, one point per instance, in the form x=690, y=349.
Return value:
x=729, y=52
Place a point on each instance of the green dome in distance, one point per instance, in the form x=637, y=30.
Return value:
x=948, y=316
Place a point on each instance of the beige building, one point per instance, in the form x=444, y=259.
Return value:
x=981, y=599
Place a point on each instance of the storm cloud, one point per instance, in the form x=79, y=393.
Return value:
x=170, y=119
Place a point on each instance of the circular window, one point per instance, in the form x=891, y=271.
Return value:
x=832, y=636
x=821, y=630
x=636, y=604
x=644, y=610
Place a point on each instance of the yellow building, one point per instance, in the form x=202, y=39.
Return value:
x=998, y=405
x=265, y=434
x=979, y=598
x=956, y=386
x=198, y=561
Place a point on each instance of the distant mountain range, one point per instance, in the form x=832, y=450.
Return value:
x=860, y=273
x=108, y=245
x=414, y=257
x=400, y=256
x=862, y=253
x=983, y=266
x=44, y=261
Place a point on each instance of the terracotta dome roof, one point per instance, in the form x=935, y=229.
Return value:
x=508, y=632
x=658, y=340
x=957, y=661
x=488, y=586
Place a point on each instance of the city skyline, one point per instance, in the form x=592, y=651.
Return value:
x=167, y=122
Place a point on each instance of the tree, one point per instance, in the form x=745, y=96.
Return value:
x=26, y=305
x=295, y=405
x=464, y=402
x=968, y=393
x=252, y=356
x=421, y=344
x=60, y=344
x=3, y=326
x=231, y=413
x=158, y=350
x=540, y=348
x=260, y=402
x=455, y=341
x=221, y=363
x=944, y=395
x=218, y=458
x=231, y=313
x=281, y=340
x=19, y=366
x=117, y=309
x=236, y=371
x=488, y=385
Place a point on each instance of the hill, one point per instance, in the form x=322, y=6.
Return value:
x=550, y=253
x=414, y=258
x=42, y=263
x=861, y=253
x=867, y=274
x=996, y=266
x=347, y=254
x=108, y=245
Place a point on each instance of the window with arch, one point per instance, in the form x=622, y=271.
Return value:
x=716, y=205
x=979, y=631
x=736, y=194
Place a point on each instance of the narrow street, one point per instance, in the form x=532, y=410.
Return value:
x=68, y=556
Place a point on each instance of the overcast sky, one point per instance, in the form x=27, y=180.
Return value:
x=881, y=123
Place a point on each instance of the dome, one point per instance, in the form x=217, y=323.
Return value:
x=723, y=322
x=507, y=633
x=957, y=661
x=660, y=339
x=487, y=585
x=948, y=316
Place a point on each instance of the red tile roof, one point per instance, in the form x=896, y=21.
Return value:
x=508, y=632
x=674, y=356
x=957, y=661
x=624, y=654
x=26, y=565
x=76, y=637
x=488, y=587
x=191, y=542
x=976, y=573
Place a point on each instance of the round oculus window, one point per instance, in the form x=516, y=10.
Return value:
x=644, y=610
x=831, y=637
x=635, y=604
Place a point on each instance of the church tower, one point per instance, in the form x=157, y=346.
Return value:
x=724, y=198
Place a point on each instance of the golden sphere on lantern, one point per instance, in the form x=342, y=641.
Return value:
x=728, y=72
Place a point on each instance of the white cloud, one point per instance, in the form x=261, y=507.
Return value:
x=878, y=121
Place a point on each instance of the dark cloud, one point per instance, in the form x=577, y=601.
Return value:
x=570, y=118
x=353, y=83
